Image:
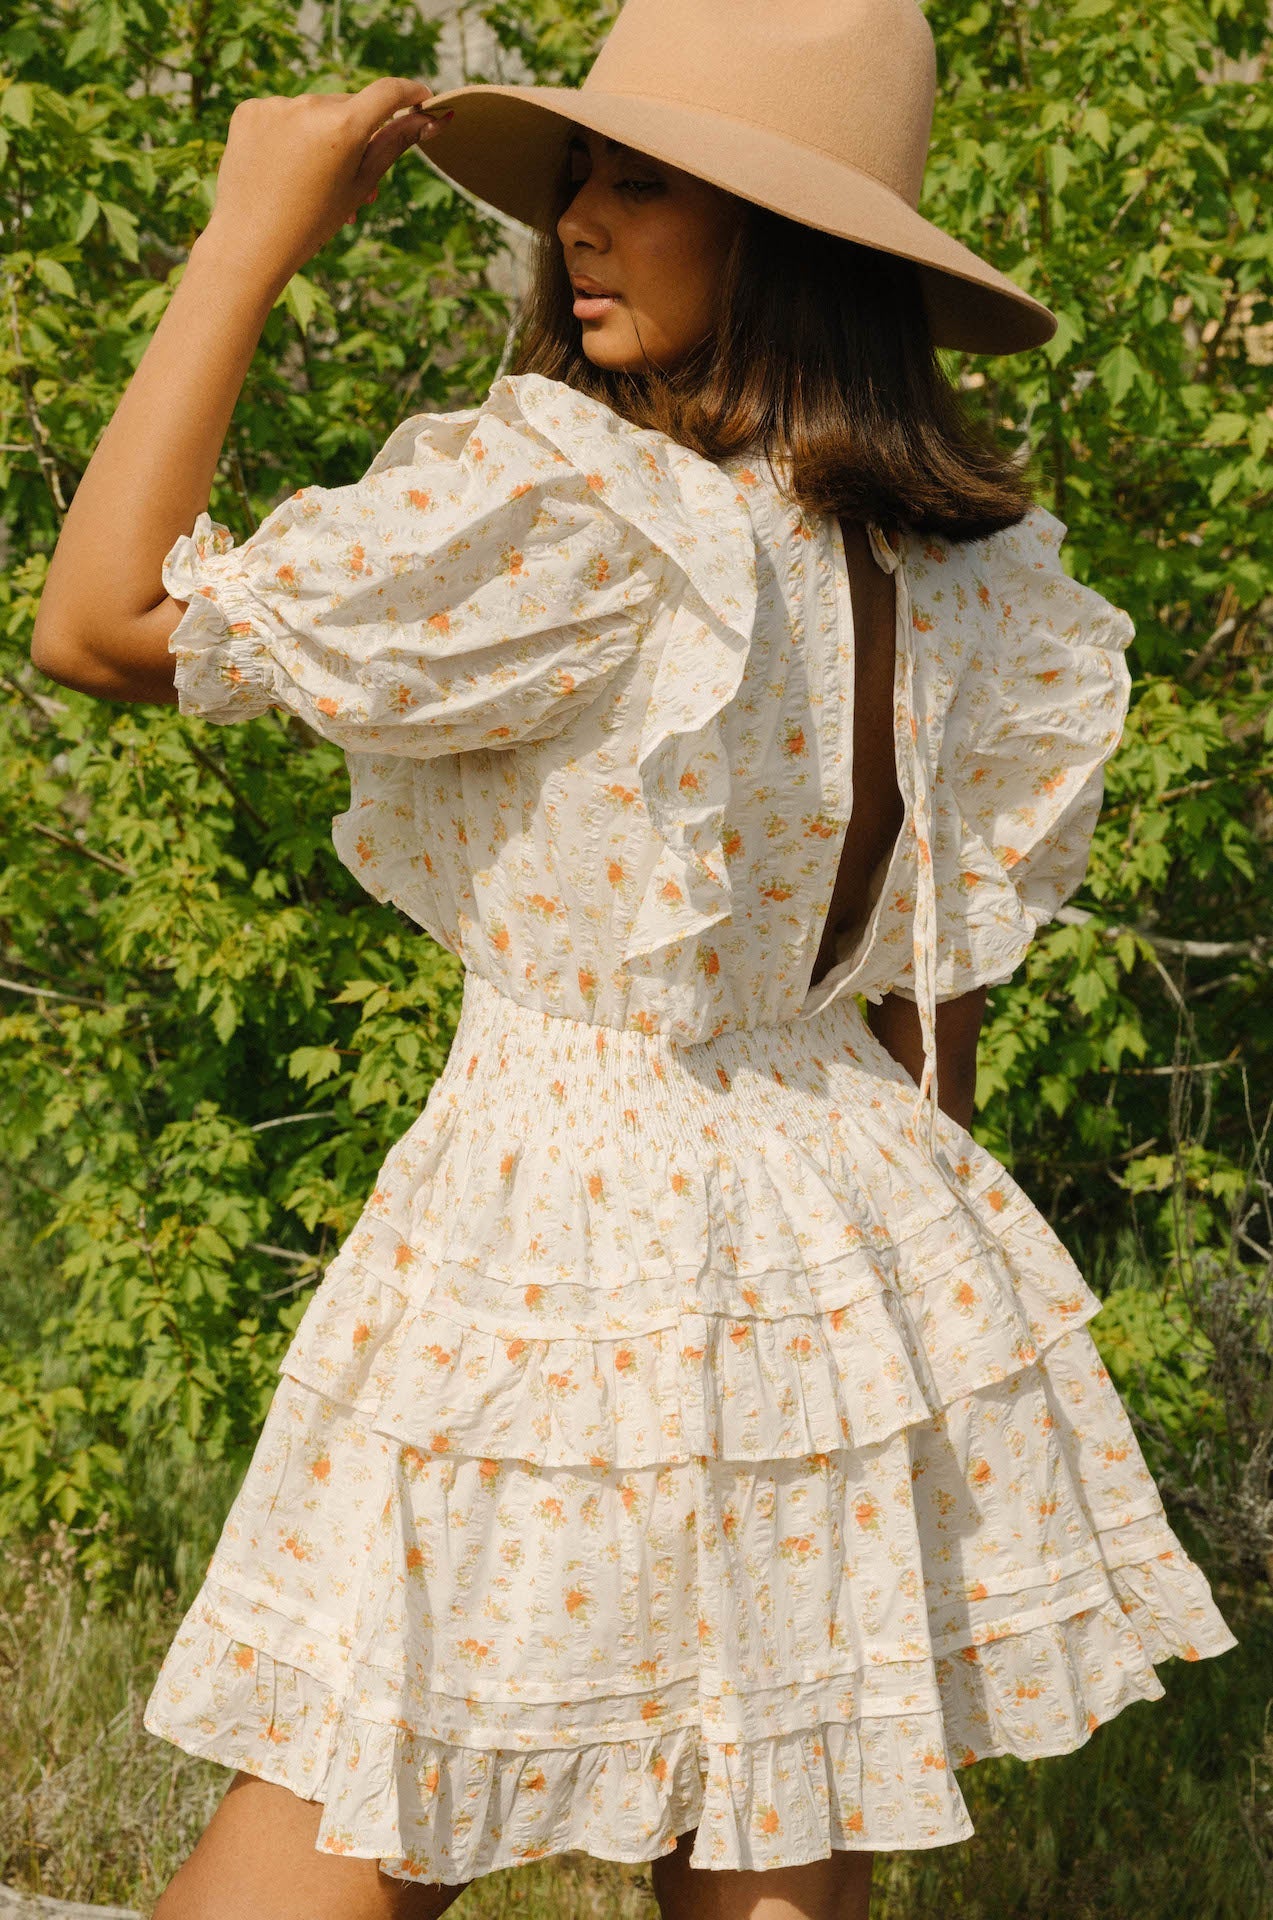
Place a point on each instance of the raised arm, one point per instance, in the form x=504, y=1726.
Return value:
x=104, y=619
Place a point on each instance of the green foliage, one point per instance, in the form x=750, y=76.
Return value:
x=208, y=1036
x=1112, y=160
x=1156, y=1363
x=553, y=40
x=211, y=1039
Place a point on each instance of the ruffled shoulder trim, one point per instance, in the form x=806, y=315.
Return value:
x=1060, y=682
x=1024, y=568
x=692, y=511
x=1039, y=711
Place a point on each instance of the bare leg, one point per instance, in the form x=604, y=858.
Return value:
x=837, y=1888
x=256, y=1860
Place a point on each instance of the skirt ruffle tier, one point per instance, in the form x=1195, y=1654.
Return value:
x=674, y=1444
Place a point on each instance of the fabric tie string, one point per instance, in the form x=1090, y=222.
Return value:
x=913, y=775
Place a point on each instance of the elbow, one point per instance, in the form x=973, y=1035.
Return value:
x=51, y=652
x=63, y=658
x=59, y=647
x=78, y=661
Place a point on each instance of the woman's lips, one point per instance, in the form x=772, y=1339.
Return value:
x=594, y=306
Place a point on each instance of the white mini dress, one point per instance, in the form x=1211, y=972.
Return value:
x=698, y=1429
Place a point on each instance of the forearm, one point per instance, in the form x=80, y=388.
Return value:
x=103, y=624
x=895, y=1023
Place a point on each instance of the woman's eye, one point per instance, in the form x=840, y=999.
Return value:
x=639, y=186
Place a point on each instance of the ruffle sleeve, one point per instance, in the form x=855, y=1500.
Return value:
x=1021, y=772
x=470, y=591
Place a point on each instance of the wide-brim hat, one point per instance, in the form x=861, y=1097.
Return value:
x=817, y=109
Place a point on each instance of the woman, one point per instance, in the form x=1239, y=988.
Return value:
x=696, y=1453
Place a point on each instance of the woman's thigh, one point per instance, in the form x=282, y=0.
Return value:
x=256, y=1860
x=837, y=1888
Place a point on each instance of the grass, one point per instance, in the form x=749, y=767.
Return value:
x=93, y=1808
x=1166, y=1814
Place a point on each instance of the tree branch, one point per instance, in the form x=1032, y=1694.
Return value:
x=75, y=846
x=1180, y=1066
x=1190, y=786
x=1056, y=426
x=219, y=773
x=1258, y=949
x=39, y=433
x=44, y=703
x=283, y=1253
x=51, y=993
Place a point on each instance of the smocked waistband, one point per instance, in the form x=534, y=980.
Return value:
x=551, y=1070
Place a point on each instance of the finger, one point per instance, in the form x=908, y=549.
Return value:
x=374, y=104
x=392, y=140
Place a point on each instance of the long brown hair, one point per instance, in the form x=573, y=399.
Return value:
x=822, y=354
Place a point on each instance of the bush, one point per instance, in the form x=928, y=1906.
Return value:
x=209, y=1036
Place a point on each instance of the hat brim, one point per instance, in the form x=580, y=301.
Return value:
x=504, y=147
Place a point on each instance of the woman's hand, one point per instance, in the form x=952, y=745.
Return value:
x=297, y=169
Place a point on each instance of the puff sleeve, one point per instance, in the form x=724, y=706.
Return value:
x=465, y=593
x=1037, y=714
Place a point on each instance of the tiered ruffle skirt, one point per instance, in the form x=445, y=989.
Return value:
x=674, y=1444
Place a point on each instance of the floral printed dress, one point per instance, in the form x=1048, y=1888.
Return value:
x=698, y=1429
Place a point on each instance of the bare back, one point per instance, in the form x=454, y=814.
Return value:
x=878, y=810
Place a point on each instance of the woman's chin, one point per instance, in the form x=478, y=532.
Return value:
x=606, y=351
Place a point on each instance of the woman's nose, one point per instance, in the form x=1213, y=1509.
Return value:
x=580, y=224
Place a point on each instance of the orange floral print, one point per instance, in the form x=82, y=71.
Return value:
x=683, y=1436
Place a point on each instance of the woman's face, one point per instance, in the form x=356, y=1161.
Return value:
x=645, y=247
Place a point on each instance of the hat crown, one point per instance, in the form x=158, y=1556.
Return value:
x=853, y=78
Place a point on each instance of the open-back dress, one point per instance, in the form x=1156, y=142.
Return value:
x=698, y=1428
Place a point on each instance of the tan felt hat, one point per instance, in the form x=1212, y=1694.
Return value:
x=817, y=109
